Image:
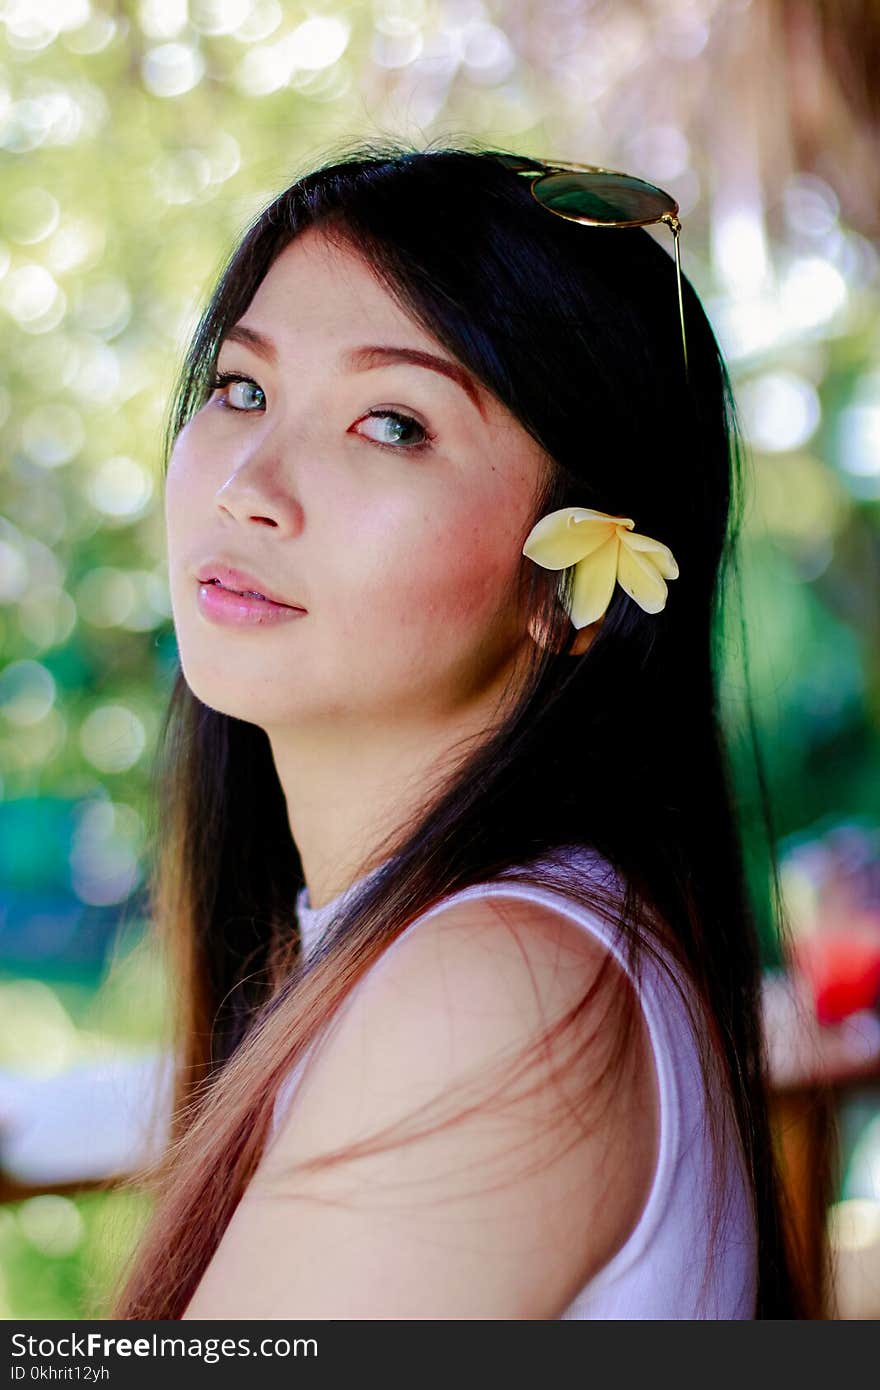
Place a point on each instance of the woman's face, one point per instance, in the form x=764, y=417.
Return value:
x=401, y=538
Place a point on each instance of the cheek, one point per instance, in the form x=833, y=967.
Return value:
x=469, y=588
x=180, y=484
x=448, y=582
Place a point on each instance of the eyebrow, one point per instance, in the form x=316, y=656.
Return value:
x=368, y=356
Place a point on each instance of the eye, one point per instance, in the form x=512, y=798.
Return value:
x=232, y=379
x=399, y=426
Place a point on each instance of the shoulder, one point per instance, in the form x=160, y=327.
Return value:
x=463, y=989
x=516, y=959
x=454, y=1048
x=481, y=1188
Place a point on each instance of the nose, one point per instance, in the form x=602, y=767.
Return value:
x=256, y=491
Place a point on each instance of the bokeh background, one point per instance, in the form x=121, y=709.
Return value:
x=136, y=141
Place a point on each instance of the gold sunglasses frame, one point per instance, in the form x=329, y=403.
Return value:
x=541, y=169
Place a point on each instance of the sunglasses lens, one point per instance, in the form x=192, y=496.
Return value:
x=597, y=198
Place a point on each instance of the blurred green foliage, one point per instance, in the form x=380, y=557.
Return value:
x=59, y=1255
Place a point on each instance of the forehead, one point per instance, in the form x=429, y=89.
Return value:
x=316, y=285
x=321, y=300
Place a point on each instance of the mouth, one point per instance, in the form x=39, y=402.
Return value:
x=247, y=608
x=247, y=586
x=244, y=593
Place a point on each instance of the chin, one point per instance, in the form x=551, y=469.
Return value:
x=252, y=704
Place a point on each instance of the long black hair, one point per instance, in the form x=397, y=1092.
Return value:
x=576, y=332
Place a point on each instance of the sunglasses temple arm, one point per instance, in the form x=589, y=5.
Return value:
x=675, y=225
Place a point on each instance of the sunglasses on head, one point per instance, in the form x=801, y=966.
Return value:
x=598, y=197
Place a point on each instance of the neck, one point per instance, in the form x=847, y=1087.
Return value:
x=348, y=804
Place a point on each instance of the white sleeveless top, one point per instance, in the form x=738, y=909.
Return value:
x=658, y=1272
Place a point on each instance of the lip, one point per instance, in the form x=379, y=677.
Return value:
x=239, y=580
x=229, y=609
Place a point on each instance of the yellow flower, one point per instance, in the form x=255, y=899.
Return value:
x=604, y=550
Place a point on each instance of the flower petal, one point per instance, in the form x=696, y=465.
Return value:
x=641, y=579
x=661, y=555
x=593, y=582
x=590, y=514
x=564, y=537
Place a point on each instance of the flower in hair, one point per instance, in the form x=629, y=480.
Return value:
x=604, y=550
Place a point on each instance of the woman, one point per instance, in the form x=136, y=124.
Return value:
x=547, y=1100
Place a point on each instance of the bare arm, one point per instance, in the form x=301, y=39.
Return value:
x=497, y=1215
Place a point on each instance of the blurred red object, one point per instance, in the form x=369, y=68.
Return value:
x=841, y=969
x=831, y=882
